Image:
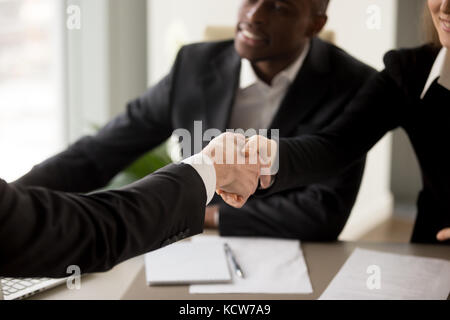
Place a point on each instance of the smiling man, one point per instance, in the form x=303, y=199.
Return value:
x=274, y=34
x=275, y=74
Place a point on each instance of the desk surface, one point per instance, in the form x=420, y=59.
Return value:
x=323, y=260
x=127, y=281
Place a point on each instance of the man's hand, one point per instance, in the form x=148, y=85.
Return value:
x=258, y=149
x=236, y=176
x=444, y=235
x=267, y=151
x=210, y=217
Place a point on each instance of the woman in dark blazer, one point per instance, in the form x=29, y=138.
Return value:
x=413, y=92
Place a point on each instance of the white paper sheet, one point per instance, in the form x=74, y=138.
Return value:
x=372, y=275
x=269, y=266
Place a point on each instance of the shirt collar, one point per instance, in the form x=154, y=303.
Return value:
x=441, y=70
x=248, y=77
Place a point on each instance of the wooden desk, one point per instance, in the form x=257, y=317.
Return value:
x=127, y=281
x=323, y=260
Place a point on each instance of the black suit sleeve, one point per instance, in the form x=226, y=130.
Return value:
x=376, y=110
x=92, y=162
x=42, y=232
x=314, y=213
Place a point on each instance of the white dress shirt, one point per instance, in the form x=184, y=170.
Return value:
x=256, y=102
x=440, y=71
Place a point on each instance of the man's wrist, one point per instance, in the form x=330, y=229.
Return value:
x=212, y=216
x=216, y=218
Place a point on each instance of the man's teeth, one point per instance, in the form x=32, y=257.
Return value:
x=250, y=35
x=446, y=24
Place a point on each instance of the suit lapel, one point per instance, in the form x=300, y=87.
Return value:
x=220, y=87
x=306, y=91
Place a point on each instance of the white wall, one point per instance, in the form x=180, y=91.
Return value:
x=174, y=22
x=350, y=20
x=88, y=68
x=107, y=61
x=406, y=179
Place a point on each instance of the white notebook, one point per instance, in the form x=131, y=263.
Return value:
x=187, y=263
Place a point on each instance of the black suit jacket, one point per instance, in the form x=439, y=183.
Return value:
x=42, y=232
x=390, y=99
x=202, y=86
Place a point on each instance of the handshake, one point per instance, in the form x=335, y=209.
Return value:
x=242, y=165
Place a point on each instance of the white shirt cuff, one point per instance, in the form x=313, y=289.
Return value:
x=205, y=168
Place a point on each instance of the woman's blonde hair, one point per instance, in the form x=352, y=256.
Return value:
x=429, y=32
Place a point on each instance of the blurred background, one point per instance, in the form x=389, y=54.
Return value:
x=59, y=81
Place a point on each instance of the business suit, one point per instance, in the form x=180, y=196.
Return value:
x=391, y=99
x=42, y=232
x=202, y=86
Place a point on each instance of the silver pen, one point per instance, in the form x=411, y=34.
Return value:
x=236, y=266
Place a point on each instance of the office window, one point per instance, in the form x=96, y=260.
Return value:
x=31, y=113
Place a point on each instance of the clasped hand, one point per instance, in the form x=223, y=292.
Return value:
x=241, y=165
